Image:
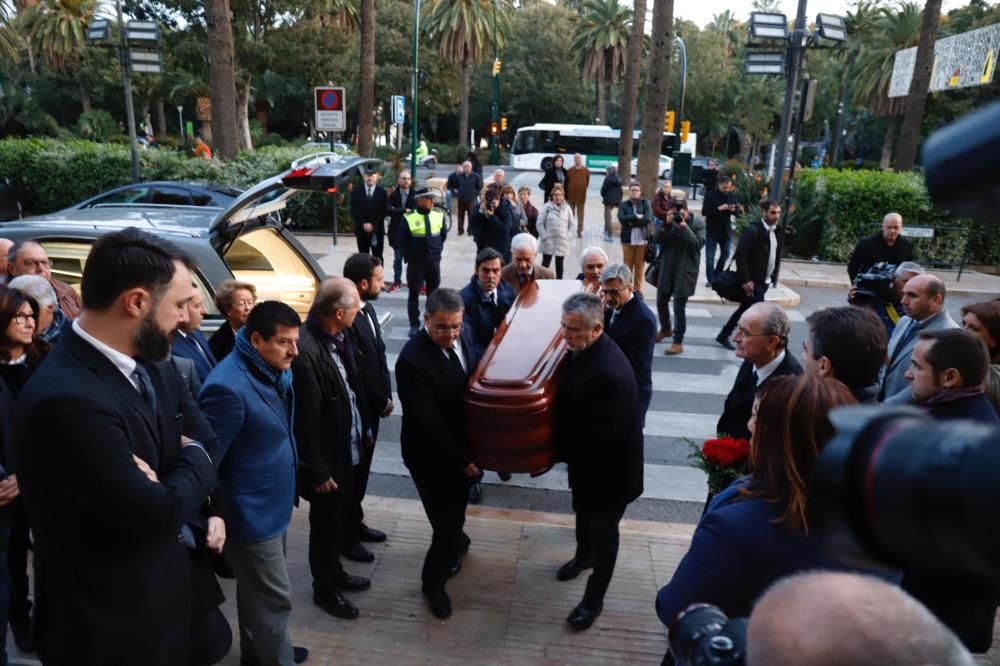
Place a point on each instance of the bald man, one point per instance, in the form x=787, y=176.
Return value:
x=923, y=301
x=840, y=619
x=887, y=245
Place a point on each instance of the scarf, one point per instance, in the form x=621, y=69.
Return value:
x=280, y=380
x=953, y=394
x=58, y=321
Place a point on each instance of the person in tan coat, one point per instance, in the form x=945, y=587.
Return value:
x=577, y=182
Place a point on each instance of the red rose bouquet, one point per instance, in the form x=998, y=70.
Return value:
x=723, y=459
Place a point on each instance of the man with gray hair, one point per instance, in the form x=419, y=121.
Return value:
x=469, y=185
x=631, y=324
x=577, y=182
x=600, y=438
x=522, y=269
x=761, y=340
x=50, y=317
x=593, y=261
x=29, y=258
x=830, y=619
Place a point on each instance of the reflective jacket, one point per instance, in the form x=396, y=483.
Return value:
x=423, y=234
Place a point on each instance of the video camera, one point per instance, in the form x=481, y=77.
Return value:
x=875, y=284
x=702, y=635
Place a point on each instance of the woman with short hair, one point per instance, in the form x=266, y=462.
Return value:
x=556, y=175
x=983, y=319
x=235, y=300
x=555, y=224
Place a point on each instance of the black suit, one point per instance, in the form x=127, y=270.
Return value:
x=434, y=444
x=323, y=435
x=369, y=347
x=222, y=341
x=870, y=250
x=634, y=329
x=112, y=580
x=369, y=210
x=752, y=256
x=598, y=435
x=739, y=402
x=395, y=209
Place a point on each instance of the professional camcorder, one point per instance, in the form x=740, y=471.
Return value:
x=875, y=284
x=702, y=635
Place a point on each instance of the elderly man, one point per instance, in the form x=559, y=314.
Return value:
x=761, y=341
x=369, y=204
x=30, y=258
x=499, y=179
x=522, y=269
x=888, y=245
x=190, y=342
x=593, y=261
x=50, y=318
x=923, y=300
x=469, y=185
x=577, y=182
x=600, y=438
x=804, y=619
x=846, y=343
x=632, y=325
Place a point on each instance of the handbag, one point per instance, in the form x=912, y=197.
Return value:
x=727, y=284
x=653, y=273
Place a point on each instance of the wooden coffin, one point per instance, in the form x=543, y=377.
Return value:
x=509, y=402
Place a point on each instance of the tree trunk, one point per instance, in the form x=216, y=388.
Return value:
x=909, y=133
x=222, y=78
x=599, y=105
x=609, y=82
x=366, y=106
x=463, y=112
x=657, y=88
x=890, y=135
x=630, y=94
x=243, y=113
x=161, y=117
x=84, y=95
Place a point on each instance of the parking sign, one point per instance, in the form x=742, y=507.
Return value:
x=398, y=109
x=330, y=106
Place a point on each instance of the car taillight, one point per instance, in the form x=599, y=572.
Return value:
x=298, y=177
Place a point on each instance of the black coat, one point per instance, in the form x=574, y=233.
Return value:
x=369, y=210
x=432, y=393
x=494, y=230
x=634, y=329
x=395, y=209
x=717, y=222
x=549, y=180
x=870, y=250
x=323, y=414
x=597, y=428
x=752, y=252
x=611, y=190
x=113, y=582
x=481, y=316
x=222, y=341
x=372, y=364
x=739, y=402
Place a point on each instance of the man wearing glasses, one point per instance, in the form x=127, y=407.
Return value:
x=761, y=340
x=29, y=258
x=632, y=325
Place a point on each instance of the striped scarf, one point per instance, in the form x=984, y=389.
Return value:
x=280, y=380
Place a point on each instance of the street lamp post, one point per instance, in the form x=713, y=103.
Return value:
x=180, y=119
x=416, y=89
x=796, y=51
x=495, y=110
x=684, y=66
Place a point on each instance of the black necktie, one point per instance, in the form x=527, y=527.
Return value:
x=146, y=389
x=755, y=379
x=455, y=361
x=493, y=297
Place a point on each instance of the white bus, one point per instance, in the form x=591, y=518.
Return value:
x=535, y=146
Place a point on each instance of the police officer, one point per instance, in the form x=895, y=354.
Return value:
x=422, y=242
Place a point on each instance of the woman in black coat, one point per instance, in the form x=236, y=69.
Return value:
x=477, y=166
x=555, y=175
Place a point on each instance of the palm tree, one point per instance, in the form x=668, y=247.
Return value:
x=222, y=78
x=727, y=25
x=57, y=30
x=861, y=19
x=600, y=41
x=894, y=29
x=909, y=133
x=366, y=107
x=464, y=30
x=630, y=94
x=657, y=86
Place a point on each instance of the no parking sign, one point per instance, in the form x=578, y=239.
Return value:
x=330, y=108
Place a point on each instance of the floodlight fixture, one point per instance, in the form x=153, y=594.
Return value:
x=765, y=62
x=831, y=27
x=99, y=31
x=145, y=62
x=768, y=25
x=143, y=32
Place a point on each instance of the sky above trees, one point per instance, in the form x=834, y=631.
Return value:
x=701, y=12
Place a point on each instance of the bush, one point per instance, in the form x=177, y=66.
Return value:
x=97, y=125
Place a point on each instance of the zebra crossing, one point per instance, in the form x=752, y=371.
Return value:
x=688, y=395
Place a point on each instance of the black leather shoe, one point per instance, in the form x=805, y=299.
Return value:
x=724, y=341
x=440, y=603
x=463, y=543
x=299, y=655
x=358, y=553
x=504, y=476
x=371, y=536
x=455, y=568
x=582, y=617
x=336, y=605
x=572, y=569
x=351, y=583
x=475, y=493
x=24, y=636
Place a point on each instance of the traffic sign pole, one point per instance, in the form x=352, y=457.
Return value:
x=133, y=142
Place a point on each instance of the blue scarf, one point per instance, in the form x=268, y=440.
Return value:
x=58, y=321
x=281, y=381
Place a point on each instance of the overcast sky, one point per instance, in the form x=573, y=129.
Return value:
x=701, y=11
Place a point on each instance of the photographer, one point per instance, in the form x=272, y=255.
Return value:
x=885, y=246
x=492, y=224
x=720, y=208
x=681, y=240
x=880, y=289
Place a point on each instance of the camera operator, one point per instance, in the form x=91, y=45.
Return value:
x=841, y=619
x=720, y=208
x=888, y=245
x=848, y=344
x=880, y=289
x=492, y=224
x=680, y=239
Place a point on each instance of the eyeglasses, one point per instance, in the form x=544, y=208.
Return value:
x=22, y=318
x=36, y=263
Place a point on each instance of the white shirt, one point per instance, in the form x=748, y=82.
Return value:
x=457, y=346
x=363, y=313
x=771, y=251
x=370, y=190
x=768, y=370
x=125, y=363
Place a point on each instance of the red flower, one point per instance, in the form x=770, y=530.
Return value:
x=726, y=451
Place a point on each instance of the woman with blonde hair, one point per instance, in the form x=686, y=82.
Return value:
x=235, y=300
x=556, y=223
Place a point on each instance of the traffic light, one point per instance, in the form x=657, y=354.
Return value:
x=503, y=123
x=668, y=123
x=496, y=67
x=493, y=129
x=685, y=128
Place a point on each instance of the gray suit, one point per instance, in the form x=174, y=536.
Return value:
x=904, y=339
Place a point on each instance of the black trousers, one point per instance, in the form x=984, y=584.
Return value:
x=17, y=563
x=355, y=513
x=373, y=244
x=547, y=260
x=445, y=498
x=680, y=314
x=326, y=538
x=734, y=319
x=597, y=541
x=420, y=271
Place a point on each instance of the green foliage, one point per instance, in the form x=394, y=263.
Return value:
x=96, y=125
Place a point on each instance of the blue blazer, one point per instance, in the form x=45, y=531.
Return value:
x=737, y=553
x=256, y=457
x=186, y=346
x=482, y=318
x=634, y=330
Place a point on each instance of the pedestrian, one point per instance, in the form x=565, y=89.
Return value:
x=611, y=197
x=469, y=184
x=632, y=325
x=431, y=376
x=30, y=258
x=636, y=217
x=663, y=204
x=577, y=182
x=600, y=438
x=201, y=149
x=235, y=299
x=50, y=316
x=681, y=240
x=529, y=210
x=477, y=166
x=486, y=300
x=493, y=223
x=522, y=269
x=555, y=224
x=848, y=344
x=400, y=203
x=369, y=205
x=249, y=402
x=451, y=187
x=710, y=176
x=887, y=245
x=758, y=261
x=983, y=319
x=189, y=342
x=720, y=209
x=554, y=175
x=422, y=241
x=518, y=214
x=593, y=261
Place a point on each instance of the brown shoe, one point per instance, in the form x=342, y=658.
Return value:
x=674, y=349
x=662, y=335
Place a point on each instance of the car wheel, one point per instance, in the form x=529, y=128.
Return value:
x=547, y=163
x=431, y=163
